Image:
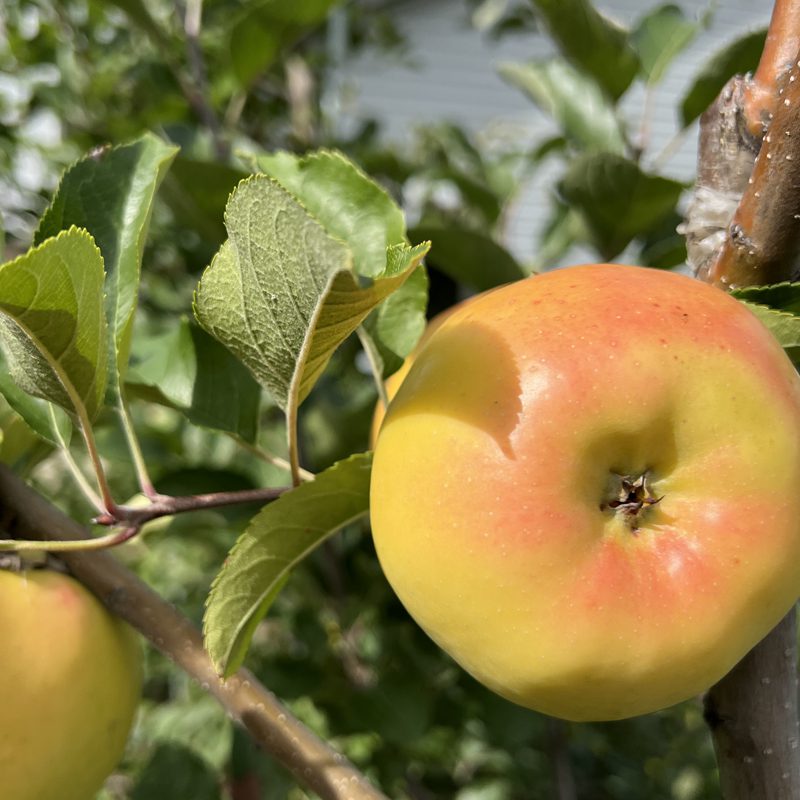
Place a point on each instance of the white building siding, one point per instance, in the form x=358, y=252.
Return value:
x=448, y=74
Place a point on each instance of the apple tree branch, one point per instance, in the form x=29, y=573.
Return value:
x=313, y=763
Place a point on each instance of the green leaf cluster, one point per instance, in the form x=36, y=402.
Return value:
x=284, y=292
x=68, y=303
x=613, y=194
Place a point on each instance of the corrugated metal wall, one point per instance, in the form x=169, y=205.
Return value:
x=448, y=74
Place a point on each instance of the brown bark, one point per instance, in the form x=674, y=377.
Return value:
x=752, y=714
x=314, y=764
x=743, y=228
x=780, y=49
x=763, y=241
x=558, y=750
x=726, y=153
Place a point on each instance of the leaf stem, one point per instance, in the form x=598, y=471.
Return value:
x=375, y=368
x=269, y=458
x=71, y=545
x=145, y=484
x=293, y=444
x=129, y=521
x=80, y=479
x=99, y=470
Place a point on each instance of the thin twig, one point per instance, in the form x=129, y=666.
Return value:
x=313, y=763
x=54, y=546
x=300, y=90
x=129, y=520
x=167, y=506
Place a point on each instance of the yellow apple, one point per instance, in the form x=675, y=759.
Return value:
x=394, y=381
x=71, y=675
x=586, y=489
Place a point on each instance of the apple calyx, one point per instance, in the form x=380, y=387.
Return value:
x=630, y=498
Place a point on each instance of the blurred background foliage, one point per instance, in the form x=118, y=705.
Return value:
x=226, y=78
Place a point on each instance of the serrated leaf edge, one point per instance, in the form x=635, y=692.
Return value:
x=337, y=155
x=80, y=408
x=231, y=664
x=743, y=292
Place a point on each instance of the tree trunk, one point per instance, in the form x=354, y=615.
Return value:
x=742, y=229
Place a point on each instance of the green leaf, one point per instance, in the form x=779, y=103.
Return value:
x=469, y=257
x=451, y=156
x=33, y=410
x=593, y=43
x=191, y=720
x=278, y=537
x=448, y=144
x=265, y=29
x=617, y=199
x=356, y=210
x=110, y=193
x=188, y=369
x=345, y=201
x=662, y=246
x=176, y=771
x=780, y=296
x=552, y=146
x=280, y=293
x=36, y=413
x=659, y=36
x=736, y=58
x=52, y=325
x=579, y=106
x=393, y=329
x=784, y=326
x=20, y=448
